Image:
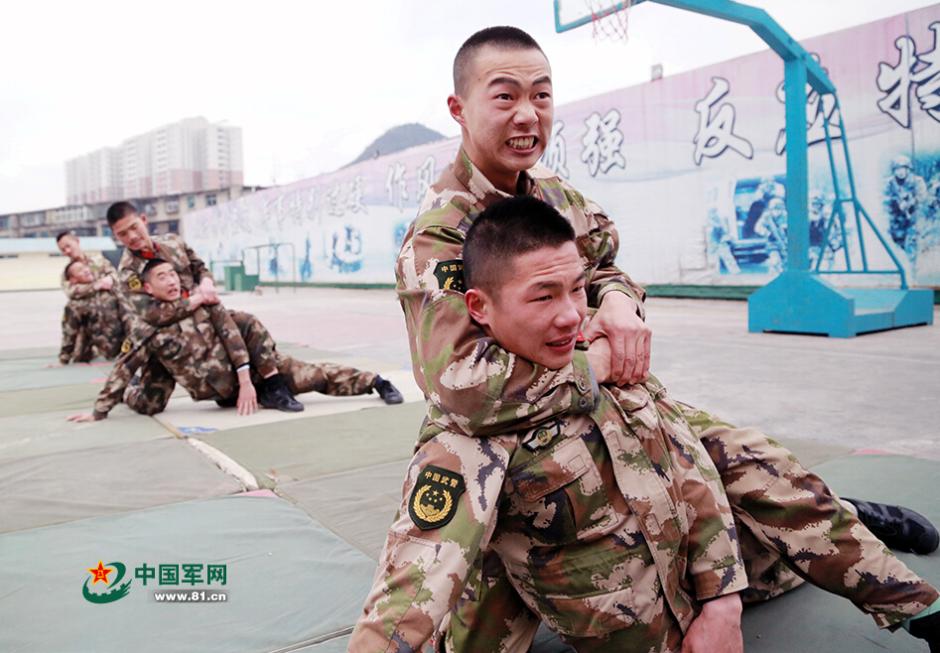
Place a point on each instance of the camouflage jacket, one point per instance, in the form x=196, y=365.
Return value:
x=188, y=265
x=474, y=386
x=201, y=352
x=99, y=266
x=603, y=522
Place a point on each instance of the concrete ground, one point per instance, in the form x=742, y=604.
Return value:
x=129, y=486
x=877, y=391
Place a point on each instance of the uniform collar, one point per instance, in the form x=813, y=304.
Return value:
x=481, y=187
x=147, y=254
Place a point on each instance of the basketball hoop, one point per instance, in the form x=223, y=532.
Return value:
x=609, y=19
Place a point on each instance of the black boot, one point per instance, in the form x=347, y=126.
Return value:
x=387, y=391
x=274, y=393
x=928, y=628
x=898, y=527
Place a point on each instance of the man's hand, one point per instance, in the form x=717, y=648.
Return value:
x=598, y=355
x=197, y=299
x=207, y=288
x=104, y=283
x=717, y=629
x=247, y=402
x=81, y=417
x=629, y=337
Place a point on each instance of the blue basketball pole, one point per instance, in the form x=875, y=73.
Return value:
x=799, y=300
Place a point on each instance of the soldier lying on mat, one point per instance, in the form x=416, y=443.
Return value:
x=92, y=322
x=612, y=525
x=221, y=355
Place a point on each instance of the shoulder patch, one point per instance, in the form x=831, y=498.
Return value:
x=133, y=282
x=433, y=501
x=450, y=275
x=126, y=345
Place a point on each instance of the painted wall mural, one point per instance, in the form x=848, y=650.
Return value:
x=690, y=167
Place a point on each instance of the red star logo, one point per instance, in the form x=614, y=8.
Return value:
x=100, y=573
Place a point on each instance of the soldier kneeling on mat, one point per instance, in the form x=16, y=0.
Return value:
x=93, y=319
x=608, y=526
x=221, y=355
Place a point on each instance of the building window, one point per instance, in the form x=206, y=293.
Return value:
x=191, y=202
x=211, y=200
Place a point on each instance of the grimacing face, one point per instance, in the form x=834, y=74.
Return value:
x=70, y=247
x=80, y=273
x=131, y=231
x=163, y=283
x=537, y=311
x=505, y=111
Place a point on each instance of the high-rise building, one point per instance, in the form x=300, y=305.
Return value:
x=189, y=156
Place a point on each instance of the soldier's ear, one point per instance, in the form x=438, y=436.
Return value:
x=455, y=106
x=478, y=305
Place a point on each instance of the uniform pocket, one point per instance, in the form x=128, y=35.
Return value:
x=562, y=465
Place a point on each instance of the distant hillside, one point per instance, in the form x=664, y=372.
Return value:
x=396, y=139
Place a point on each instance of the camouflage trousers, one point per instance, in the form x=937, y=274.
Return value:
x=792, y=529
x=151, y=392
x=91, y=327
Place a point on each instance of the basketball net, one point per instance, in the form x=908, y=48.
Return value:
x=610, y=19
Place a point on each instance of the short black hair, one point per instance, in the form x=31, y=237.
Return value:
x=120, y=210
x=510, y=227
x=151, y=264
x=69, y=267
x=502, y=36
x=62, y=234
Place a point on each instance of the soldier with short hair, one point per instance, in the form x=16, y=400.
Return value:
x=93, y=318
x=612, y=525
x=502, y=100
x=221, y=355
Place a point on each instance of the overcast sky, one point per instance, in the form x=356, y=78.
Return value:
x=309, y=83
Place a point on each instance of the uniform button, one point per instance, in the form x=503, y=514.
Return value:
x=584, y=403
x=582, y=386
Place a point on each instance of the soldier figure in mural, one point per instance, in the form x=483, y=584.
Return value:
x=772, y=225
x=306, y=266
x=905, y=196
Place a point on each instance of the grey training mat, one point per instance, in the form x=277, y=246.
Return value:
x=307, y=448
x=69, y=485
x=358, y=505
x=25, y=373
x=22, y=436
x=72, y=398
x=289, y=581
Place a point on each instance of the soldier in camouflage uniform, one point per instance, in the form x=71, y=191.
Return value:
x=93, y=319
x=503, y=103
x=217, y=354
x=612, y=525
x=130, y=228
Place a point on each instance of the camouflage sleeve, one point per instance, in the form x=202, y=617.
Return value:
x=715, y=565
x=199, y=269
x=121, y=374
x=157, y=313
x=474, y=385
x=229, y=334
x=604, y=243
x=77, y=290
x=448, y=514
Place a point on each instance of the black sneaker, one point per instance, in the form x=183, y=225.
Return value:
x=898, y=527
x=274, y=393
x=387, y=391
x=928, y=628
